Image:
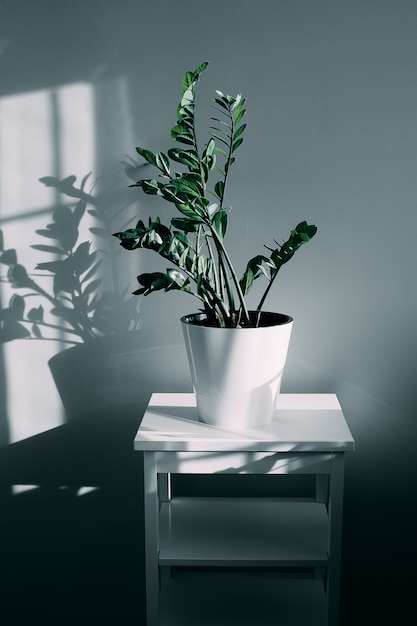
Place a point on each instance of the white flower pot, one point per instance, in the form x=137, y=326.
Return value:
x=237, y=372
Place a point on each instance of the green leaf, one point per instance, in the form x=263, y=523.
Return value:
x=185, y=259
x=239, y=131
x=186, y=157
x=216, y=136
x=238, y=115
x=147, y=155
x=210, y=148
x=219, y=189
x=162, y=163
x=236, y=144
x=187, y=81
x=182, y=135
x=222, y=152
x=202, y=265
x=182, y=238
x=187, y=225
x=189, y=211
x=177, y=280
x=246, y=281
x=212, y=210
x=219, y=223
x=156, y=281
x=151, y=187
x=200, y=69
x=221, y=103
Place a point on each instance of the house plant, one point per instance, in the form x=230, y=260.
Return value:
x=235, y=375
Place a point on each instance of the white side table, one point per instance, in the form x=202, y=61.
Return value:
x=308, y=435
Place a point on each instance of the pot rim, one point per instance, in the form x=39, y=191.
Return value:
x=275, y=319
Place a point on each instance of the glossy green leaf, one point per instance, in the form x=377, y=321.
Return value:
x=219, y=223
x=151, y=187
x=148, y=155
x=219, y=189
x=222, y=152
x=212, y=209
x=239, y=131
x=236, y=144
x=246, y=281
x=219, y=138
x=186, y=157
x=162, y=163
x=221, y=103
x=187, y=225
x=182, y=238
x=182, y=135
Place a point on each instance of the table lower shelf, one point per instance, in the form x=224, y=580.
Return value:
x=240, y=599
x=243, y=532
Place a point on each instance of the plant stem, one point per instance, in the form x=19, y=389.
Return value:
x=262, y=300
x=222, y=250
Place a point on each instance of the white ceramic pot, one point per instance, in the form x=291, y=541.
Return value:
x=237, y=372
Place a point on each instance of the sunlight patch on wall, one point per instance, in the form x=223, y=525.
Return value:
x=77, y=132
x=26, y=152
x=43, y=133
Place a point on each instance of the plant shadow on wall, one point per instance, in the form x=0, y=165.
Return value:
x=82, y=309
x=82, y=305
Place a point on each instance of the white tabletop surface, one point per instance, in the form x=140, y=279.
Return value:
x=302, y=423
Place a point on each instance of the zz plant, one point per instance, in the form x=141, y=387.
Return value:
x=193, y=243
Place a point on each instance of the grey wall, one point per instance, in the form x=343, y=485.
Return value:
x=331, y=91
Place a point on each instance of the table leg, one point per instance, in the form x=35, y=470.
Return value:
x=164, y=487
x=322, y=487
x=151, y=538
x=335, y=538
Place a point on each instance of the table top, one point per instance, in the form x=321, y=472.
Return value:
x=302, y=423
